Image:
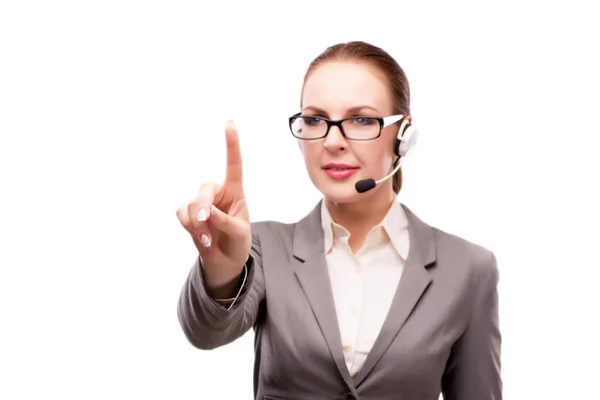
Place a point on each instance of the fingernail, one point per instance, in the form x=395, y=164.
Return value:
x=205, y=240
x=201, y=215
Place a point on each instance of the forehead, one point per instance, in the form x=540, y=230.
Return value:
x=336, y=86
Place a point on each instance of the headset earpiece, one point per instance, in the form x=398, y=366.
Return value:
x=407, y=138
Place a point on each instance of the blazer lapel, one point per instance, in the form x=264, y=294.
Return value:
x=311, y=271
x=414, y=281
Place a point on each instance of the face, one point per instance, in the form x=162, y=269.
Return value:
x=340, y=89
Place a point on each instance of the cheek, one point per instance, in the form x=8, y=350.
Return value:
x=310, y=152
x=377, y=155
x=388, y=153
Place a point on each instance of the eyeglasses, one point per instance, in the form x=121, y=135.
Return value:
x=352, y=128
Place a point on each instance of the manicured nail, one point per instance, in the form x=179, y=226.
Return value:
x=205, y=240
x=201, y=215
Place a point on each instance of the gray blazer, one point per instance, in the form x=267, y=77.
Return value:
x=441, y=334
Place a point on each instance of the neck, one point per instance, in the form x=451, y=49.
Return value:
x=360, y=216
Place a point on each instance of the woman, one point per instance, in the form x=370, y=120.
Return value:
x=360, y=299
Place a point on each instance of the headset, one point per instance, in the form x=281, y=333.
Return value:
x=406, y=140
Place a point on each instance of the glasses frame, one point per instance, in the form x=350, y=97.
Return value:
x=384, y=122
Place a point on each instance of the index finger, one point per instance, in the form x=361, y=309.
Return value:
x=234, y=155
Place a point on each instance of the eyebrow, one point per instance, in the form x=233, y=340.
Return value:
x=350, y=110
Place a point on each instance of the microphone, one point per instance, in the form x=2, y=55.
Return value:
x=365, y=185
x=407, y=137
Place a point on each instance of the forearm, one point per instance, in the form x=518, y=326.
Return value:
x=209, y=323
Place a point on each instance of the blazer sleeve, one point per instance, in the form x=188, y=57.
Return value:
x=473, y=368
x=210, y=323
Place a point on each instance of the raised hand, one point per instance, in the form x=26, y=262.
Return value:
x=217, y=219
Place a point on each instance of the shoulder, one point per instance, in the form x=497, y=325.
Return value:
x=272, y=234
x=271, y=229
x=466, y=257
x=308, y=228
x=449, y=243
x=454, y=255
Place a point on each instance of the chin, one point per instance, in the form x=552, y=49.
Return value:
x=340, y=192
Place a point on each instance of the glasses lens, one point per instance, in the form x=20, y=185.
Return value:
x=361, y=128
x=309, y=127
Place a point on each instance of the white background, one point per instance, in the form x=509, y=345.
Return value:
x=112, y=114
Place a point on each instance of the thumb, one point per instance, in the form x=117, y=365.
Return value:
x=225, y=223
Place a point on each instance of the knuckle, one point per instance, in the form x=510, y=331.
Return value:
x=197, y=233
x=187, y=225
x=183, y=217
x=208, y=187
x=205, y=195
x=193, y=215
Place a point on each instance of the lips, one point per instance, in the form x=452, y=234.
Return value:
x=339, y=171
x=338, y=167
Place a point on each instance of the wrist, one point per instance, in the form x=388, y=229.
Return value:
x=221, y=283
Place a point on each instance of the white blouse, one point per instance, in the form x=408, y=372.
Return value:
x=364, y=283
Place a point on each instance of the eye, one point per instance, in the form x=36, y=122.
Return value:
x=312, y=121
x=363, y=121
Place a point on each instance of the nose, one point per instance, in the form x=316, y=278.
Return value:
x=335, y=140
